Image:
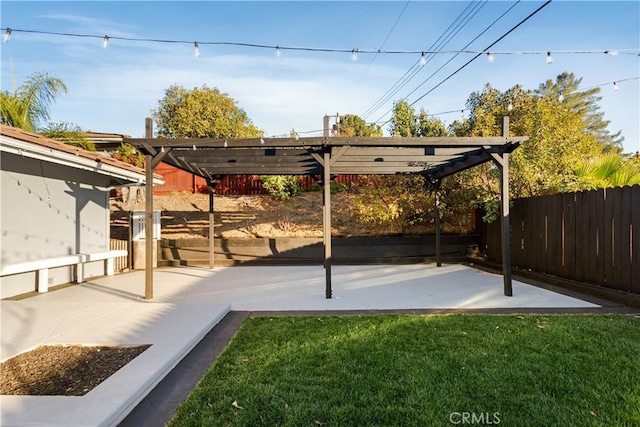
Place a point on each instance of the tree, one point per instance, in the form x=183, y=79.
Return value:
x=353, y=125
x=403, y=121
x=604, y=171
x=429, y=126
x=29, y=104
x=201, y=113
x=565, y=89
x=69, y=133
x=545, y=164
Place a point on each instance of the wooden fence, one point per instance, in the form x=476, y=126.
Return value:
x=120, y=263
x=590, y=236
x=178, y=180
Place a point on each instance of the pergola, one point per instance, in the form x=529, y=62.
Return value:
x=433, y=157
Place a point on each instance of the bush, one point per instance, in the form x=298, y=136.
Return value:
x=336, y=187
x=281, y=187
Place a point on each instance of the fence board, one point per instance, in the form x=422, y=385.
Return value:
x=582, y=235
x=554, y=227
x=635, y=239
x=623, y=245
x=607, y=246
x=568, y=236
x=591, y=236
x=120, y=263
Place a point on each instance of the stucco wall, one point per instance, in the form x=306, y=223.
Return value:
x=50, y=210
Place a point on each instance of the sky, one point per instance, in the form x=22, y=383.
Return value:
x=114, y=89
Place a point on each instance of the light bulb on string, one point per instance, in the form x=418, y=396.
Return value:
x=6, y=36
x=615, y=86
x=196, y=50
x=278, y=51
x=261, y=141
x=510, y=107
x=225, y=144
x=611, y=52
x=561, y=98
x=549, y=58
x=354, y=55
x=105, y=42
x=490, y=57
x=423, y=59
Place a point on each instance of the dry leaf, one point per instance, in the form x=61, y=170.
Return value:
x=520, y=317
x=235, y=405
x=593, y=414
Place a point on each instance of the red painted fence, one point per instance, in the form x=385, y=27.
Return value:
x=178, y=180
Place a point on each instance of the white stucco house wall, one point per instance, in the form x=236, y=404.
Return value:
x=54, y=208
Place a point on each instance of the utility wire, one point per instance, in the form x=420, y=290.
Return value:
x=451, y=59
x=385, y=41
x=485, y=50
x=415, y=68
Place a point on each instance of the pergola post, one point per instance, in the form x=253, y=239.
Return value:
x=504, y=196
x=326, y=215
x=148, y=219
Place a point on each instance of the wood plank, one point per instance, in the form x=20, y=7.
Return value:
x=607, y=247
x=600, y=277
x=570, y=236
x=623, y=246
x=594, y=225
x=553, y=237
x=635, y=239
x=444, y=142
x=617, y=237
x=518, y=245
x=397, y=158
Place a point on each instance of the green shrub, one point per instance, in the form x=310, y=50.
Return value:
x=281, y=187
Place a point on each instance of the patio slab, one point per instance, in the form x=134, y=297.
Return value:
x=189, y=302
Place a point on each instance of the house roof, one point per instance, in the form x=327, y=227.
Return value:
x=29, y=144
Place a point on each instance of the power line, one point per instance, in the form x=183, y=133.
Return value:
x=485, y=50
x=451, y=59
x=415, y=68
x=385, y=40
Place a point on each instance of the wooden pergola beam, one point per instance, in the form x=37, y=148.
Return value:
x=433, y=157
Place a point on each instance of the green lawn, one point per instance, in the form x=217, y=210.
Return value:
x=397, y=370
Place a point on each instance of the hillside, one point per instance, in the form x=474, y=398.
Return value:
x=186, y=215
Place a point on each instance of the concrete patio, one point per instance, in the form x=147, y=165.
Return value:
x=189, y=302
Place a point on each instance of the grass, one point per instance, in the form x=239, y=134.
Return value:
x=397, y=370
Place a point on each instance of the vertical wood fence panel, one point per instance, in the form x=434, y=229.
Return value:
x=591, y=237
x=120, y=263
x=634, y=239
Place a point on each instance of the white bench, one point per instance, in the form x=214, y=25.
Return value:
x=42, y=266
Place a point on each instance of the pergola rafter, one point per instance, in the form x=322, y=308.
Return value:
x=433, y=157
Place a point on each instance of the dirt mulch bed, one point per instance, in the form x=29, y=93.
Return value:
x=63, y=370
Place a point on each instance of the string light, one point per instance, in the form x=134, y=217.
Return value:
x=354, y=55
x=278, y=51
x=105, y=42
x=226, y=144
x=615, y=86
x=490, y=57
x=261, y=141
x=549, y=58
x=561, y=98
x=635, y=51
x=196, y=49
x=423, y=59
